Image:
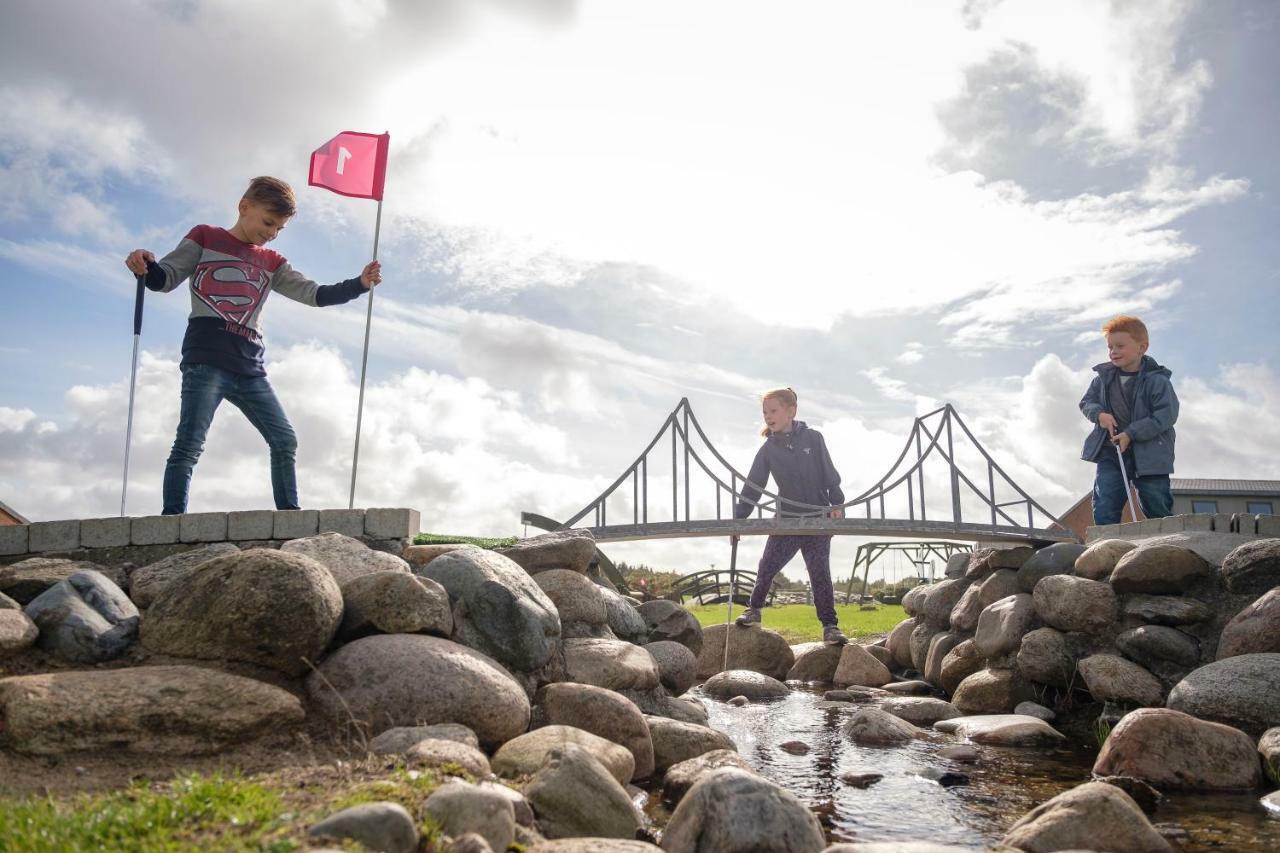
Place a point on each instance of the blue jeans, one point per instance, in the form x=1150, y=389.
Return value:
x=778, y=551
x=1110, y=493
x=204, y=386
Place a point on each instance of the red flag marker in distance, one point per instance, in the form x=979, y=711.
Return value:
x=351, y=164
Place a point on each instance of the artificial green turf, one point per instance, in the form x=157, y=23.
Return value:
x=798, y=623
x=481, y=541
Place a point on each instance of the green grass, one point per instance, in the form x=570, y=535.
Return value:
x=481, y=541
x=798, y=623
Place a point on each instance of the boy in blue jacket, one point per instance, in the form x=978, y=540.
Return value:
x=1132, y=403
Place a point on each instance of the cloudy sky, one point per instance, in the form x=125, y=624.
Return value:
x=595, y=209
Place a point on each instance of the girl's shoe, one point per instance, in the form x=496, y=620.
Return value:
x=833, y=636
x=750, y=616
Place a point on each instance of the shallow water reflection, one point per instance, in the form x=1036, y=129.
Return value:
x=905, y=805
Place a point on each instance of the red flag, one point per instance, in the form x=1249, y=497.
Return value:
x=352, y=164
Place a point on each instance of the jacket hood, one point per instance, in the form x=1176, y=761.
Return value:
x=797, y=427
x=1148, y=365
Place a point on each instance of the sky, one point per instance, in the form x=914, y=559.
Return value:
x=594, y=210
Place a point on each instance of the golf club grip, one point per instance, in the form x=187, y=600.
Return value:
x=137, y=305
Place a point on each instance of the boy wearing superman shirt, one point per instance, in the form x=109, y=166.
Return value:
x=231, y=274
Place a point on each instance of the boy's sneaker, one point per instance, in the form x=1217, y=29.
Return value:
x=750, y=616
x=833, y=636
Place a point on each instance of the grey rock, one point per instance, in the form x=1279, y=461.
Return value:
x=580, y=602
x=1253, y=568
x=961, y=754
x=346, y=558
x=17, y=632
x=1269, y=747
x=202, y=710
x=1241, y=691
x=817, y=664
x=1173, y=610
x=460, y=808
x=741, y=682
x=682, y=776
x=84, y=619
x=1253, y=630
x=1175, y=751
x=900, y=642
x=394, y=603
x=915, y=687
x=677, y=666
x=670, y=621
x=436, y=754
x=601, y=712
x=259, y=606
x=860, y=779
x=612, y=664
x=991, y=691
x=920, y=711
x=497, y=607
x=1001, y=583
x=675, y=741
x=958, y=664
x=147, y=582
x=526, y=753
x=1092, y=816
x=957, y=565
x=411, y=679
x=941, y=599
x=1148, y=644
x=624, y=619
x=471, y=842
x=1113, y=679
x=921, y=638
x=874, y=727
x=1057, y=559
x=24, y=580
x=1035, y=709
x=984, y=561
x=939, y=647
x=7, y=603
x=1002, y=730
x=1099, y=559
x=857, y=667
x=565, y=549
x=593, y=845
x=1002, y=625
x=377, y=826
x=395, y=741
x=574, y=795
x=1076, y=604
x=729, y=811
x=1160, y=569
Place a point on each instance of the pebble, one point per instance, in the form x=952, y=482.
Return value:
x=960, y=754
x=794, y=747
x=945, y=778
x=739, y=701
x=861, y=779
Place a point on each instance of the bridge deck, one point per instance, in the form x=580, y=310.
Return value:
x=825, y=526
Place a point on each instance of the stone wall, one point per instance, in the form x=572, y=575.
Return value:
x=1248, y=525
x=144, y=539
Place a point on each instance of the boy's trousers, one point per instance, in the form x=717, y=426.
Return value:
x=1110, y=493
x=778, y=551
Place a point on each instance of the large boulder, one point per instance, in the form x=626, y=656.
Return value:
x=497, y=607
x=601, y=712
x=574, y=795
x=1092, y=816
x=1001, y=583
x=899, y=642
x=459, y=807
x=874, y=727
x=743, y=682
x=400, y=739
x=939, y=647
x=24, y=580
x=858, y=667
x=179, y=710
x=683, y=776
x=260, y=606
x=729, y=811
x=912, y=600
x=345, y=558
x=675, y=741
x=418, y=556
x=958, y=664
x=412, y=679
x=1002, y=730
x=1173, y=610
x=1169, y=654
x=991, y=691
x=1175, y=751
x=383, y=826
x=754, y=648
x=525, y=753
x=1253, y=568
x=1253, y=630
x=394, y=603
x=941, y=599
x=1110, y=678
x=1075, y=604
x=984, y=561
x=84, y=619
x=819, y=662
x=1057, y=559
x=1099, y=560
x=17, y=632
x=920, y=711
x=612, y=664
x=1241, y=691
x=623, y=618
x=1160, y=570
x=921, y=639
x=1045, y=657
x=1002, y=625
x=668, y=620
x=579, y=601
x=677, y=666
x=147, y=582
x=571, y=550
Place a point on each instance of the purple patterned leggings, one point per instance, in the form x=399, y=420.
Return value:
x=778, y=551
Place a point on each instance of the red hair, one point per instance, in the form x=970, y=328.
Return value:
x=1129, y=324
x=785, y=396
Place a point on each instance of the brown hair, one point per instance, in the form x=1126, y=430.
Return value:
x=1127, y=323
x=273, y=194
x=786, y=396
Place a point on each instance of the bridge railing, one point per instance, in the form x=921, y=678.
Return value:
x=712, y=586
x=933, y=437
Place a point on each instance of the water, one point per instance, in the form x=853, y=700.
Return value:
x=1003, y=785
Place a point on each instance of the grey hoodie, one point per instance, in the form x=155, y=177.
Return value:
x=1155, y=409
x=802, y=467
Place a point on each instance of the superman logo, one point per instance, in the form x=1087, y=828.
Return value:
x=232, y=289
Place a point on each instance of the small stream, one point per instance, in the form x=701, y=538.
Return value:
x=906, y=806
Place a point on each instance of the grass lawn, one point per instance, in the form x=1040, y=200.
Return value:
x=798, y=623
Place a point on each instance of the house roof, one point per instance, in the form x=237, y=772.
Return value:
x=13, y=513
x=1199, y=486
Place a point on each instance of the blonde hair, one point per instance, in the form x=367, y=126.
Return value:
x=1130, y=324
x=273, y=194
x=786, y=396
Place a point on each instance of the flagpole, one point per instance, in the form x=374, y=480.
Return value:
x=133, y=381
x=364, y=364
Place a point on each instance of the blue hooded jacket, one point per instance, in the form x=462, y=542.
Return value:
x=1155, y=409
x=801, y=465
